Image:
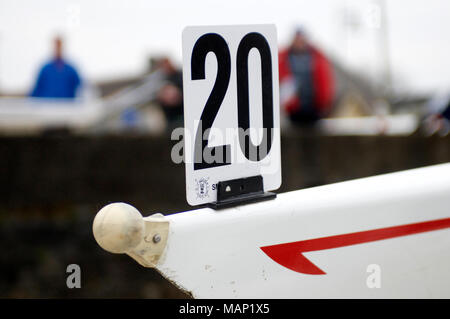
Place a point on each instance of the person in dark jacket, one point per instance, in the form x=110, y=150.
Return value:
x=170, y=96
x=57, y=78
x=437, y=121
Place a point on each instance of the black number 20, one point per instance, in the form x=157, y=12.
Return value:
x=213, y=42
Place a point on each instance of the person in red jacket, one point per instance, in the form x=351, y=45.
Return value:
x=306, y=81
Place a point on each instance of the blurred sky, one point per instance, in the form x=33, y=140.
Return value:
x=114, y=38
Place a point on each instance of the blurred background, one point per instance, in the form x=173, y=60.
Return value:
x=91, y=90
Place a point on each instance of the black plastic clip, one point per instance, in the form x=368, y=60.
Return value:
x=240, y=191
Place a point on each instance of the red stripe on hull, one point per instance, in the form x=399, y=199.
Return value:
x=290, y=255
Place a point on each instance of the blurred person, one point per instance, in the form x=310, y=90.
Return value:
x=57, y=78
x=306, y=81
x=170, y=96
x=438, y=118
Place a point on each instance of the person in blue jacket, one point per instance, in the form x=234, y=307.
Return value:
x=57, y=78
